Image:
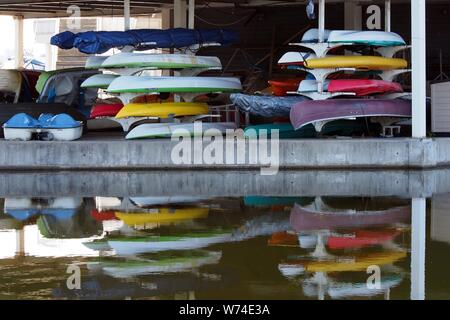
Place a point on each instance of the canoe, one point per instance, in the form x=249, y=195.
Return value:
x=166, y=130
x=162, y=215
x=100, y=81
x=162, y=110
x=144, y=84
x=280, y=88
x=160, y=61
x=105, y=110
x=370, y=38
x=285, y=131
x=303, y=219
x=357, y=62
x=308, y=112
x=361, y=87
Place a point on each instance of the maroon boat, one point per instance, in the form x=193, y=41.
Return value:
x=311, y=111
x=303, y=219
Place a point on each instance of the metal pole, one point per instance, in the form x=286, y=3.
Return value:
x=126, y=14
x=18, y=46
x=191, y=18
x=418, y=236
x=387, y=15
x=419, y=75
x=321, y=20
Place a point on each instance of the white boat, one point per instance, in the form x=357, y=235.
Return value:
x=148, y=85
x=164, y=200
x=160, y=61
x=166, y=130
x=311, y=86
x=100, y=81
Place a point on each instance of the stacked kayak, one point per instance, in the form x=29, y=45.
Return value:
x=133, y=78
x=47, y=127
x=351, y=78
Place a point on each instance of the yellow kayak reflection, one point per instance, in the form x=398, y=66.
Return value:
x=359, y=263
x=162, y=215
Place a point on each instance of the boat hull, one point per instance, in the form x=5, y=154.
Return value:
x=308, y=112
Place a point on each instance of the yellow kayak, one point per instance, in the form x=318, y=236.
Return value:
x=358, y=264
x=163, y=110
x=162, y=215
x=358, y=62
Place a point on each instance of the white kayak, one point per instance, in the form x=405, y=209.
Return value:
x=311, y=86
x=370, y=38
x=94, y=62
x=166, y=130
x=296, y=58
x=160, y=61
x=100, y=81
x=148, y=85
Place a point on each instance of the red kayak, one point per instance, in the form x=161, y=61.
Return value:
x=311, y=111
x=362, y=238
x=364, y=87
x=306, y=220
x=280, y=88
x=105, y=110
x=103, y=215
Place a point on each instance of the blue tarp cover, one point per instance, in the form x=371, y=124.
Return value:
x=94, y=42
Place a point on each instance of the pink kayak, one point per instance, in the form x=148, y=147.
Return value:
x=306, y=220
x=364, y=87
x=311, y=111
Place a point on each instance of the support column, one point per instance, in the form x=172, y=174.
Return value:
x=165, y=19
x=179, y=13
x=126, y=15
x=418, y=61
x=418, y=237
x=321, y=20
x=191, y=18
x=387, y=15
x=18, y=45
x=353, y=15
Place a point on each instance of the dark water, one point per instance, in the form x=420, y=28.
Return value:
x=222, y=248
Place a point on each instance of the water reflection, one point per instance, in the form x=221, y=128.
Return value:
x=202, y=247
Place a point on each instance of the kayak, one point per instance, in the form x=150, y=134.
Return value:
x=100, y=81
x=166, y=130
x=160, y=61
x=282, y=87
x=361, y=238
x=162, y=215
x=312, y=111
x=357, y=62
x=146, y=84
x=363, y=87
x=285, y=131
x=105, y=110
x=370, y=38
x=162, y=110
